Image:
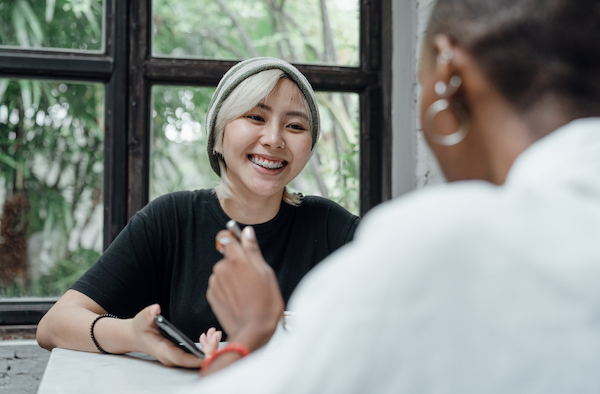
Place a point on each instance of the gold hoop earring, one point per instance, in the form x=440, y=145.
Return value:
x=444, y=91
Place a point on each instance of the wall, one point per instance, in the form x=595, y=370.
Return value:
x=413, y=163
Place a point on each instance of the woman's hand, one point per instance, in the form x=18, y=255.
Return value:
x=149, y=340
x=210, y=341
x=243, y=292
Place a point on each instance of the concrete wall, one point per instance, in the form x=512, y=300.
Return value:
x=413, y=164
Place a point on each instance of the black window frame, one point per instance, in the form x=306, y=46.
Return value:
x=128, y=71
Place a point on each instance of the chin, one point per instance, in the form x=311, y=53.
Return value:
x=266, y=190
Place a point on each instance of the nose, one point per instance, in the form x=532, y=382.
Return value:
x=272, y=136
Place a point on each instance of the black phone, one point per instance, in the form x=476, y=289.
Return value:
x=171, y=332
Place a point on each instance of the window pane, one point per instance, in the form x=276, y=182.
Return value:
x=51, y=174
x=72, y=25
x=180, y=161
x=333, y=170
x=294, y=30
x=179, y=158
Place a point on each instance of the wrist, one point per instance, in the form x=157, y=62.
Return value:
x=223, y=357
x=115, y=335
x=253, y=336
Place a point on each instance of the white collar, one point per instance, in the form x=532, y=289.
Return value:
x=570, y=152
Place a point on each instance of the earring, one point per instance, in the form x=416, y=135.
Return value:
x=445, y=56
x=444, y=91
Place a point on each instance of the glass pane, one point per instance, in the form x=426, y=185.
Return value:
x=51, y=174
x=295, y=30
x=180, y=161
x=179, y=158
x=333, y=170
x=73, y=25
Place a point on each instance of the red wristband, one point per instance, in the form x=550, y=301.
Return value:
x=242, y=350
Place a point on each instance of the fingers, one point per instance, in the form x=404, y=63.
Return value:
x=250, y=246
x=170, y=355
x=210, y=340
x=223, y=238
x=220, y=294
x=153, y=310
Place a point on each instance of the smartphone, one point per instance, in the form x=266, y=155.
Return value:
x=233, y=227
x=171, y=332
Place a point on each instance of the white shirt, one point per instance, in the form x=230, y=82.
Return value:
x=465, y=288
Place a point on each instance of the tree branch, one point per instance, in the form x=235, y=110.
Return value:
x=286, y=32
x=291, y=20
x=226, y=46
x=243, y=32
x=315, y=163
x=330, y=54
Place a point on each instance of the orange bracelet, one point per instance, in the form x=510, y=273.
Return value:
x=230, y=347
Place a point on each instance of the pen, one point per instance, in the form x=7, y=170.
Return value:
x=233, y=227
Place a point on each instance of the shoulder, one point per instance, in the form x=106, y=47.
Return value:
x=330, y=216
x=316, y=205
x=176, y=203
x=440, y=215
x=179, y=198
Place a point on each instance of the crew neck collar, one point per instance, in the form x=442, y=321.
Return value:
x=261, y=228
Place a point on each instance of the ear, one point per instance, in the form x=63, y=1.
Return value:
x=444, y=57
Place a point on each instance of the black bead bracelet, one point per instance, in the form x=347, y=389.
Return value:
x=92, y=331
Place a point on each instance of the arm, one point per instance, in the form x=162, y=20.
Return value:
x=244, y=294
x=67, y=325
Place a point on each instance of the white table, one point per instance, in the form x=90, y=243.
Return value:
x=70, y=371
x=73, y=372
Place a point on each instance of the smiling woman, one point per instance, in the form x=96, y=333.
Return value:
x=262, y=127
x=271, y=144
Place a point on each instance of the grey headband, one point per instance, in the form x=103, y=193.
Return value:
x=239, y=73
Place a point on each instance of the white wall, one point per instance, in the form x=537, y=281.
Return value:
x=413, y=164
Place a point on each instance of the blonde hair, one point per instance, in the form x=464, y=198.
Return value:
x=242, y=99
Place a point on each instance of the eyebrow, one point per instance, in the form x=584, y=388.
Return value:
x=290, y=113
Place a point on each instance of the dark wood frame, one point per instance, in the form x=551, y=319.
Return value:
x=128, y=62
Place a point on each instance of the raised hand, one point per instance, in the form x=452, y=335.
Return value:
x=243, y=291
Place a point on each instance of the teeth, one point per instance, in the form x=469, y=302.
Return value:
x=271, y=165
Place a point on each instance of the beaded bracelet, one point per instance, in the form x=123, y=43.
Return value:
x=92, y=331
x=242, y=350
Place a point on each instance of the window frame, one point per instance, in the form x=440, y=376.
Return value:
x=128, y=71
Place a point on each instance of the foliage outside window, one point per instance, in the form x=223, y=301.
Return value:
x=59, y=24
x=51, y=153
x=299, y=31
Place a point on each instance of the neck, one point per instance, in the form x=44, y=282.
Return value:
x=505, y=133
x=251, y=209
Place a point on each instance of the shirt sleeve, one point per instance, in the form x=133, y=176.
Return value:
x=125, y=278
x=341, y=226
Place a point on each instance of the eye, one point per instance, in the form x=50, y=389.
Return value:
x=256, y=118
x=297, y=126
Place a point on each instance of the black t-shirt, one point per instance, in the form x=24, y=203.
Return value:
x=166, y=253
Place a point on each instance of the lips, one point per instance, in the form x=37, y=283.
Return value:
x=267, y=163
